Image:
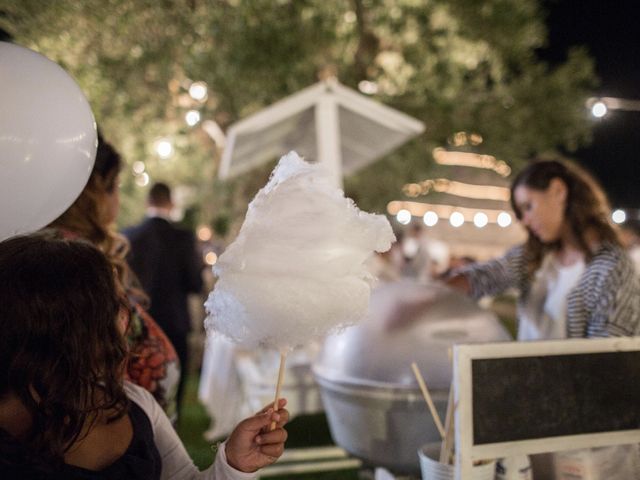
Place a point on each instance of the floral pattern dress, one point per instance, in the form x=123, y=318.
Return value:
x=153, y=363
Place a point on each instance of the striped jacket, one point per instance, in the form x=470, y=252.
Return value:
x=604, y=303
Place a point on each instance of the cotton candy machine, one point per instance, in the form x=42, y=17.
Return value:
x=372, y=400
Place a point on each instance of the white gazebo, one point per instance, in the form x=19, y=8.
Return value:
x=327, y=123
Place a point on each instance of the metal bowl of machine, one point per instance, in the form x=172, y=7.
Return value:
x=372, y=400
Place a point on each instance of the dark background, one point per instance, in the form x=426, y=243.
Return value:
x=610, y=30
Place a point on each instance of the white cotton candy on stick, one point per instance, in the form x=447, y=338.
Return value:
x=297, y=270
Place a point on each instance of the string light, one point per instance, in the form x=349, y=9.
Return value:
x=367, y=87
x=164, y=148
x=456, y=219
x=460, y=189
x=619, y=216
x=599, y=109
x=211, y=258
x=204, y=234
x=430, y=218
x=138, y=167
x=192, y=117
x=403, y=217
x=142, y=180
x=480, y=219
x=198, y=91
x=504, y=219
x=444, y=212
x=467, y=159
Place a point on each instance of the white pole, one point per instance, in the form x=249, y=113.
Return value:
x=328, y=135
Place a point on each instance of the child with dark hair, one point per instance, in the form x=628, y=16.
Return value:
x=65, y=411
x=153, y=363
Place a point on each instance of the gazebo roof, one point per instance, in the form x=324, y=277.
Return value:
x=320, y=122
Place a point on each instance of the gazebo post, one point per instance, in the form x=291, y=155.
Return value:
x=328, y=135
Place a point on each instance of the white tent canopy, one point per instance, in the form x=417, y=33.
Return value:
x=327, y=123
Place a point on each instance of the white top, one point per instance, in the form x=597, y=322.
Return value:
x=545, y=315
x=634, y=253
x=176, y=463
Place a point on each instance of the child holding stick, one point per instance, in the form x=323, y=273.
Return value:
x=65, y=411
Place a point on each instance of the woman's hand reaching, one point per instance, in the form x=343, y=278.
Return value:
x=252, y=445
x=409, y=308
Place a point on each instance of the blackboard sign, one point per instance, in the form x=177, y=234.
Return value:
x=533, y=397
x=555, y=395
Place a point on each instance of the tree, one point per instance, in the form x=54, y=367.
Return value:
x=457, y=65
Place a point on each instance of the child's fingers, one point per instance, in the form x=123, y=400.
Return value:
x=283, y=415
x=260, y=421
x=278, y=436
x=274, y=451
x=281, y=403
x=278, y=419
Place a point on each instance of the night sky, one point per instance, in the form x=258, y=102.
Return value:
x=610, y=31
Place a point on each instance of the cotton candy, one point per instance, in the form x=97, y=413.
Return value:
x=296, y=270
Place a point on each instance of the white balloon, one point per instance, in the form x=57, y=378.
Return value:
x=47, y=140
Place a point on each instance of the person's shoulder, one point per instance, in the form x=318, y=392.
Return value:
x=143, y=398
x=611, y=261
x=137, y=394
x=137, y=229
x=609, y=252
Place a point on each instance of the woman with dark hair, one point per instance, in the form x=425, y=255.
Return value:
x=65, y=412
x=573, y=276
x=153, y=363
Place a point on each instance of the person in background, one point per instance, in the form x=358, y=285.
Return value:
x=153, y=363
x=65, y=411
x=169, y=266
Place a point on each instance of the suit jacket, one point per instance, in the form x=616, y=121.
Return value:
x=165, y=259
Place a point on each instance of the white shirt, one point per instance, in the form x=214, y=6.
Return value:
x=545, y=315
x=176, y=463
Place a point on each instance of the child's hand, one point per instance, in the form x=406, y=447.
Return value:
x=252, y=445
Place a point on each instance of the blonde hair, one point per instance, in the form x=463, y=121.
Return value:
x=89, y=218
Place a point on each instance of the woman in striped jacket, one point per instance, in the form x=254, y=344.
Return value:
x=573, y=276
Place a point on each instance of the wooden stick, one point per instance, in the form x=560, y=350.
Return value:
x=283, y=358
x=447, y=442
x=427, y=398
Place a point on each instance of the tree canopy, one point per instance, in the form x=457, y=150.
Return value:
x=456, y=65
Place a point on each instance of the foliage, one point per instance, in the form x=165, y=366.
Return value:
x=457, y=65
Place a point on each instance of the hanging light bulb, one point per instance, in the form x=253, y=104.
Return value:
x=430, y=218
x=403, y=216
x=456, y=219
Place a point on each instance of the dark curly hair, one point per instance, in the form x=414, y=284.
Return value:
x=61, y=352
x=587, y=208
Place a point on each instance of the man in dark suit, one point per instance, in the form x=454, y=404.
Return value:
x=168, y=265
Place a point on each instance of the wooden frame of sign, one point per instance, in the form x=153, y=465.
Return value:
x=535, y=397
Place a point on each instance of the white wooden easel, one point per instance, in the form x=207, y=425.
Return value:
x=467, y=451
